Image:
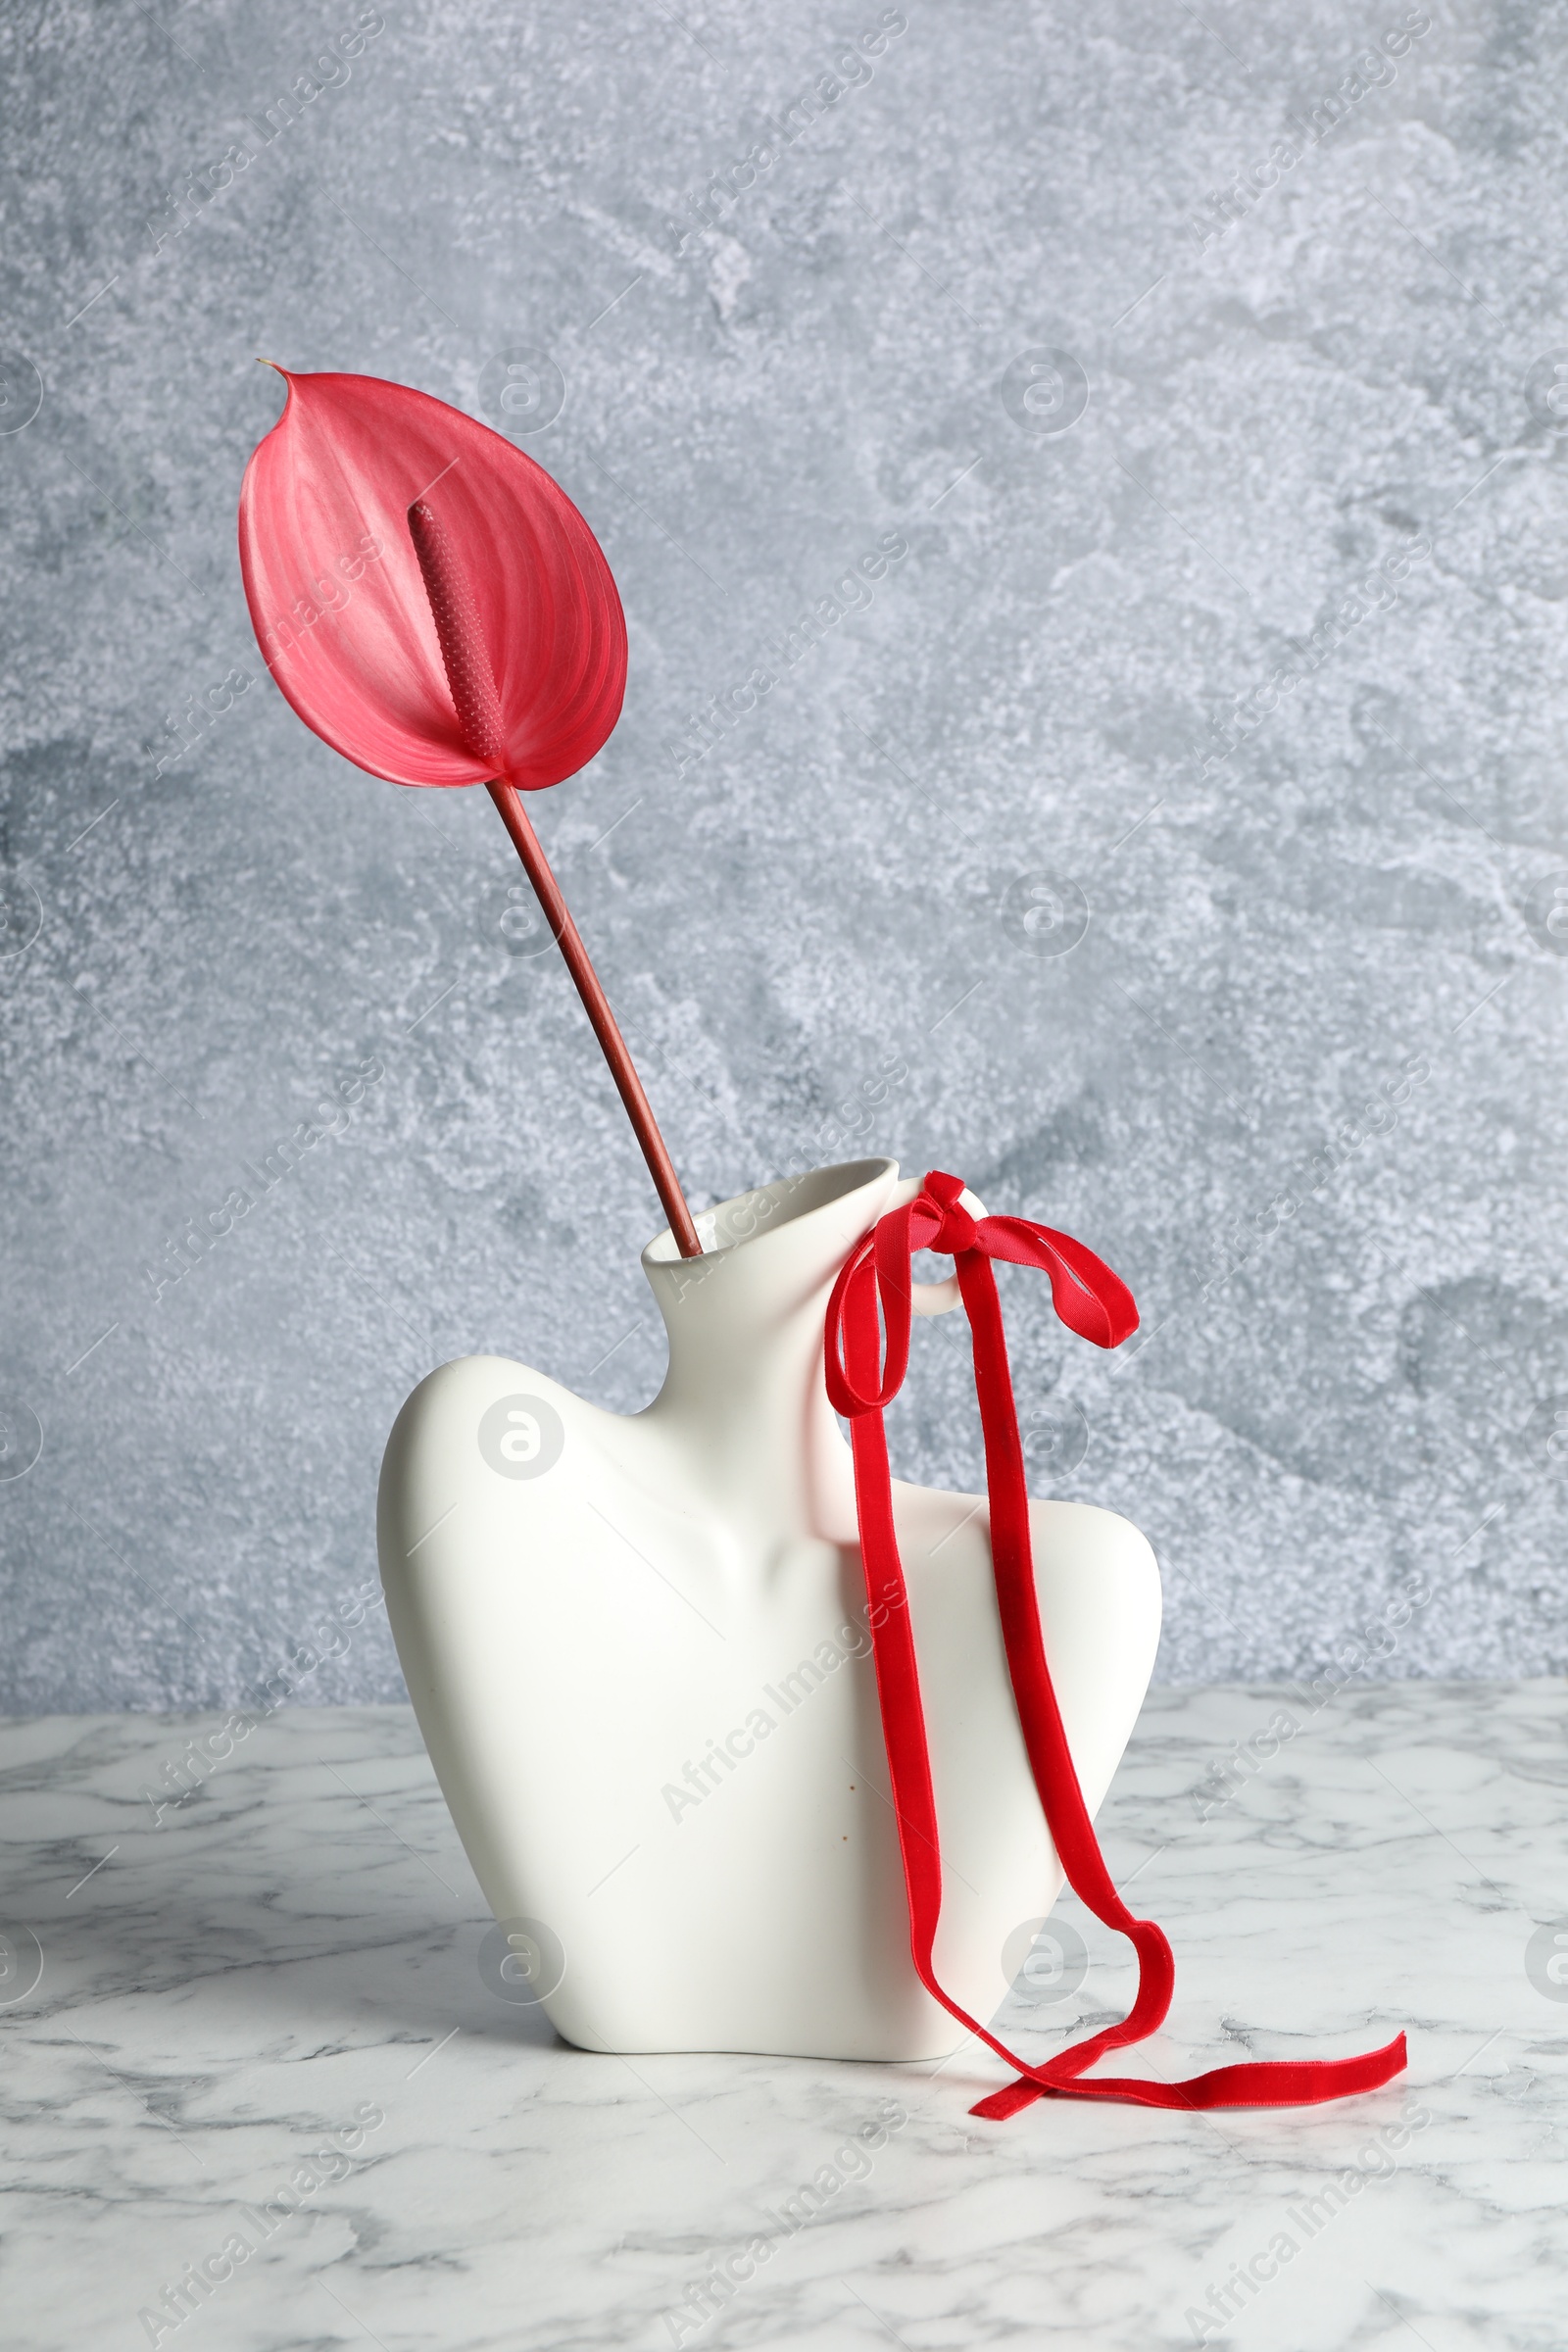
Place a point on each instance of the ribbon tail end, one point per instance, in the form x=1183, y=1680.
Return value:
x=1001, y=2105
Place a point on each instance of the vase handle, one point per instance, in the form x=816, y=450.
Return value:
x=934, y=1298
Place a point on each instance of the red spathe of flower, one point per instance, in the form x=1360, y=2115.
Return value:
x=323, y=531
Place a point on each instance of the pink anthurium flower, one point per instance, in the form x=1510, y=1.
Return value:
x=436, y=609
x=336, y=593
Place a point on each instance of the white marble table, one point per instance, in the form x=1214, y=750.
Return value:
x=230, y=1994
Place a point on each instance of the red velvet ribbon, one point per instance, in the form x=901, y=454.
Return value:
x=873, y=1290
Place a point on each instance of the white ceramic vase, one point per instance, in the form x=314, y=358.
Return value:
x=637, y=1650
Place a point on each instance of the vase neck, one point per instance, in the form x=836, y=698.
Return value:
x=745, y=1322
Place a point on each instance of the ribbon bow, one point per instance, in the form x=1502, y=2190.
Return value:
x=873, y=1293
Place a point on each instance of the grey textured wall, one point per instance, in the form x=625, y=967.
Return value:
x=1183, y=813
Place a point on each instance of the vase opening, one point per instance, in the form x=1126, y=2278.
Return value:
x=753, y=1216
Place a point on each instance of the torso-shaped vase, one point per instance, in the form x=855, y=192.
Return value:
x=638, y=1651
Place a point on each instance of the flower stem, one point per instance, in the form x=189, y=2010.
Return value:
x=477, y=705
x=557, y=915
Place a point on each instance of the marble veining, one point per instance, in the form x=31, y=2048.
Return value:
x=262, y=2022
